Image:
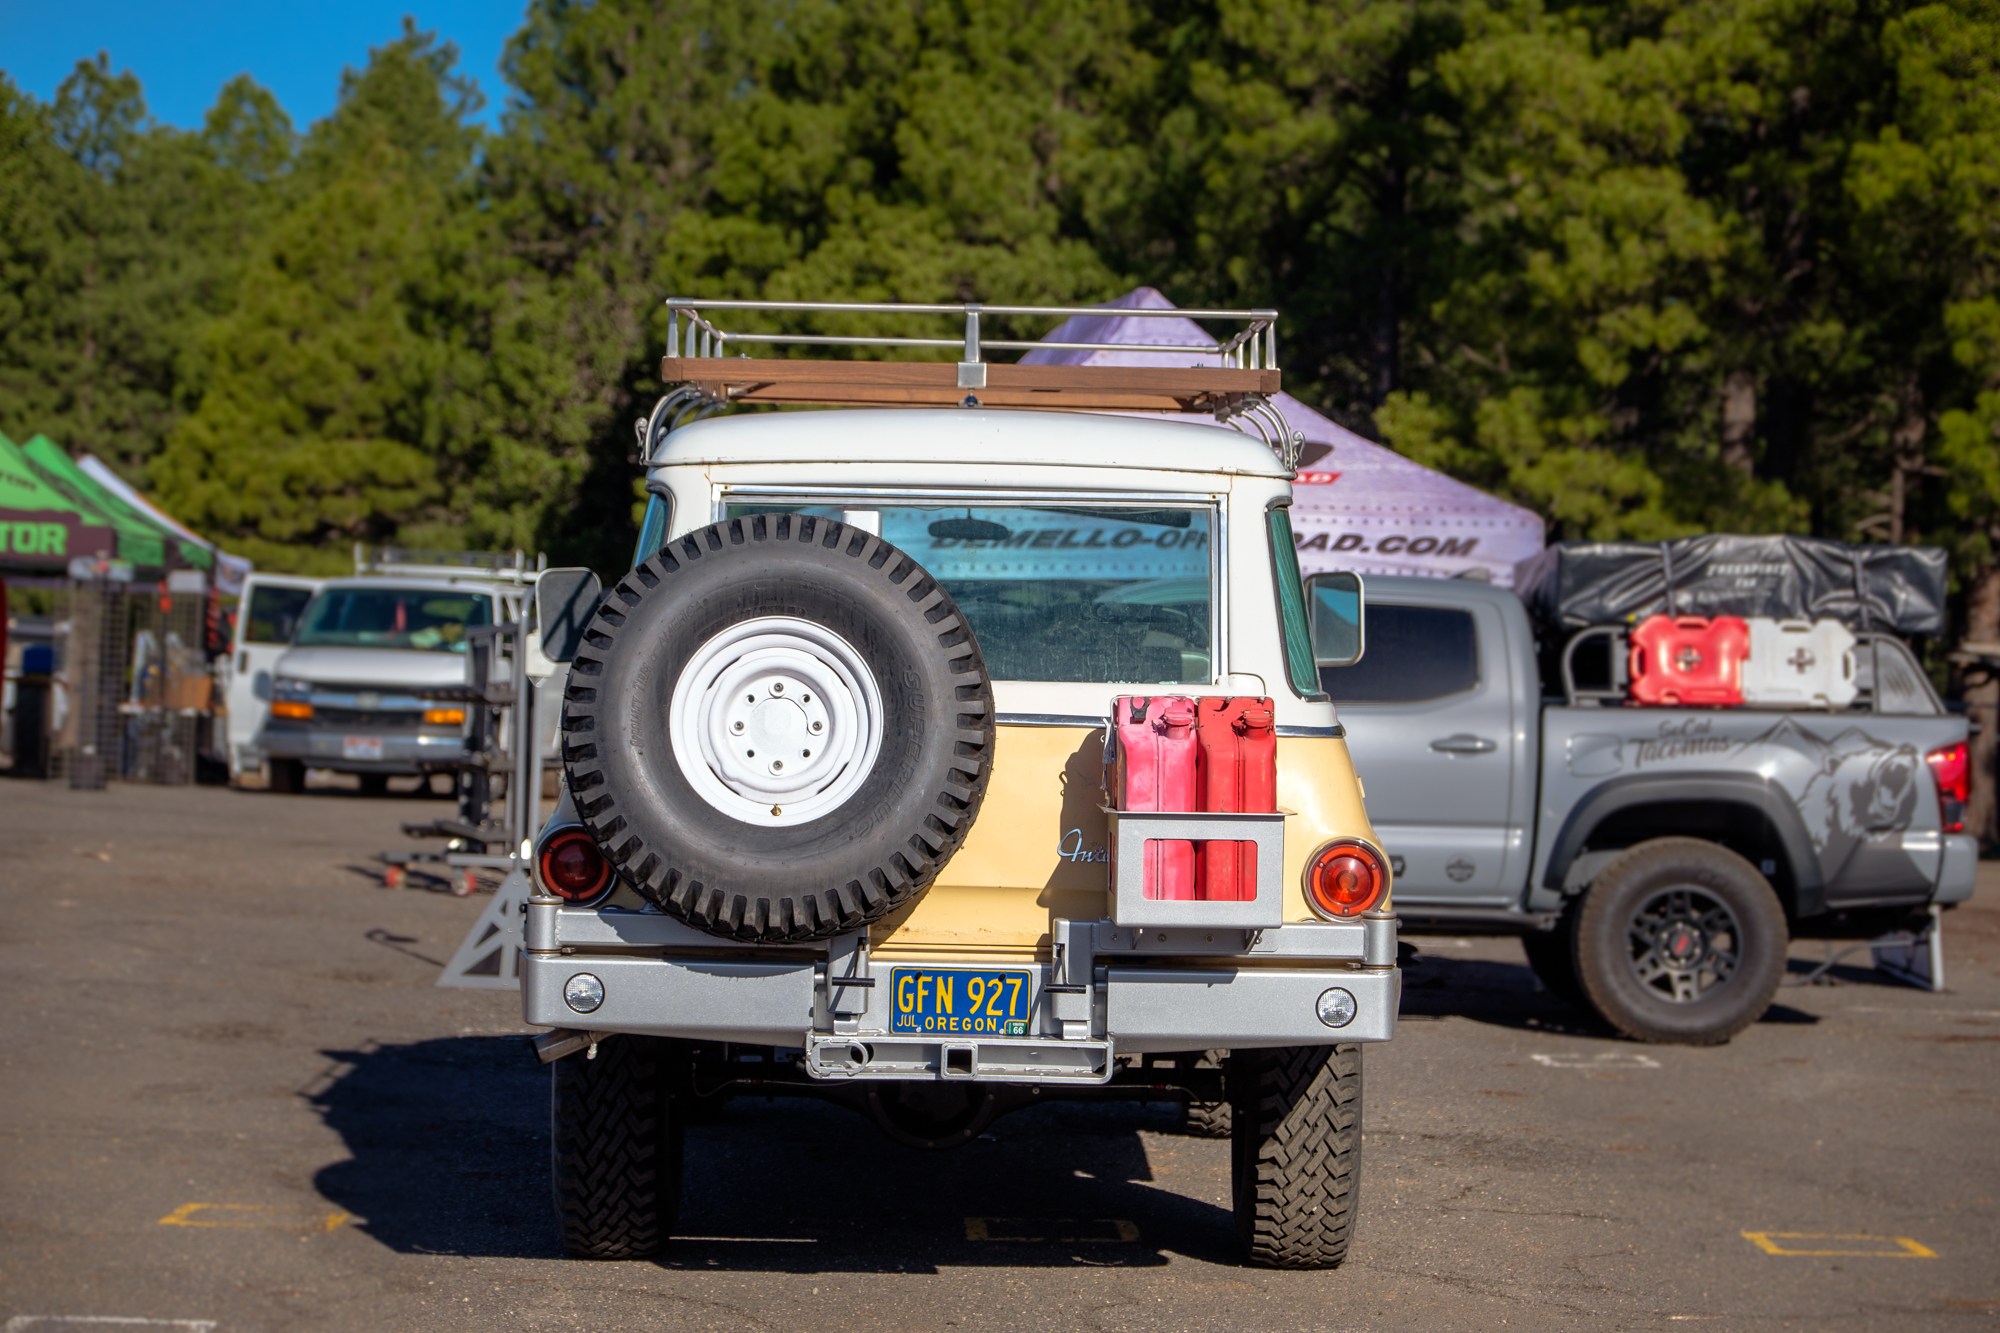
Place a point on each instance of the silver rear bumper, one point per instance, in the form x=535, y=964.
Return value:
x=1105, y=991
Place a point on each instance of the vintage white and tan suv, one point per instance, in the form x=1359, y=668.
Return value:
x=834, y=815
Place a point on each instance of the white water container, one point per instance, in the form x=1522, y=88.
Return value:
x=1799, y=663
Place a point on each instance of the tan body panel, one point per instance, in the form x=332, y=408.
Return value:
x=1037, y=849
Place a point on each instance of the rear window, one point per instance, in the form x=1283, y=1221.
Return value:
x=1064, y=593
x=273, y=614
x=1413, y=653
x=427, y=620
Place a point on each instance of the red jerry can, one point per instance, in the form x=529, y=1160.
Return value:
x=1689, y=660
x=1155, y=771
x=1236, y=771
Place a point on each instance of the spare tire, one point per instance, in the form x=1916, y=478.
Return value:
x=778, y=728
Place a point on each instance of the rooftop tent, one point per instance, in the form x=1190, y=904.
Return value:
x=229, y=569
x=41, y=528
x=1357, y=505
x=142, y=541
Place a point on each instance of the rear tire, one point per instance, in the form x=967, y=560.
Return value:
x=615, y=1146
x=1680, y=940
x=1296, y=1165
x=288, y=776
x=1207, y=1120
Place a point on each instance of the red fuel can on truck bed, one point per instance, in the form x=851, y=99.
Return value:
x=1236, y=771
x=1689, y=660
x=1155, y=770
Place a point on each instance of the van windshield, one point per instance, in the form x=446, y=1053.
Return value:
x=1061, y=593
x=425, y=619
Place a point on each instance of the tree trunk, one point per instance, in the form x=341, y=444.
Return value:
x=1739, y=419
x=1982, y=707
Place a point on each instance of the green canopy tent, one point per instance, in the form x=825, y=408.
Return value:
x=41, y=529
x=142, y=543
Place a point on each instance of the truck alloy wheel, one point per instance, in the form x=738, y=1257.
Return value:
x=1680, y=940
x=778, y=728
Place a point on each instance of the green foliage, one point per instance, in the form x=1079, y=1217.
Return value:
x=1647, y=268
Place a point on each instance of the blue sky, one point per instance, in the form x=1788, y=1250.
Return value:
x=184, y=50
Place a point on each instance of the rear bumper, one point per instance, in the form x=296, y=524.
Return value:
x=1107, y=1000
x=1959, y=868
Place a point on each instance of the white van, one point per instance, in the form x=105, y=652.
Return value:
x=348, y=695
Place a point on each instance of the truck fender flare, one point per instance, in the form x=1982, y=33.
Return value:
x=1740, y=789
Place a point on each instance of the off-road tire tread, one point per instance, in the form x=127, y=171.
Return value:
x=1714, y=862
x=809, y=911
x=1296, y=1173
x=615, y=1143
x=1207, y=1120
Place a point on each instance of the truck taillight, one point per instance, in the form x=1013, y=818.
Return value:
x=298, y=712
x=1953, y=772
x=573, y=868
x=1345, y=878
x=443, y=717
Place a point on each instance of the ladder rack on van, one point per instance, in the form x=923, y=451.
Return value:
x=505, y=567
x=1248, y=368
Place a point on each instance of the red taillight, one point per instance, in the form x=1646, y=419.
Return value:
x=573, y=868
x=1954, y=780
x=1345, y=878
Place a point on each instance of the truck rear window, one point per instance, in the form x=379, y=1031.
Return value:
x=1062, y=593
x=1414, y=653
x=423, y=619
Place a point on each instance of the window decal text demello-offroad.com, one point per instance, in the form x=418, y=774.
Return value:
x=1394, y=544
x=1079, y=539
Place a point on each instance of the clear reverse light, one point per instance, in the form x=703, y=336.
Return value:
x=584, y=992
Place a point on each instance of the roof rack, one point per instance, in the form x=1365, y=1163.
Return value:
x=411, y=562
x=1249, y=361
x=702, y=376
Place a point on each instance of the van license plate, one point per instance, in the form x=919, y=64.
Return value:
x=950, y=1000
x=360, y=747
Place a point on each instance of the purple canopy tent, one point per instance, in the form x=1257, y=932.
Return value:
x=1358, y=505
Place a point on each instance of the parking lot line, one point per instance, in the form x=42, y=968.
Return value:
x=1108, y=1229
x=184, y=1216
x=1604, y=1060
x=25, y=1323
x=1904, y=1247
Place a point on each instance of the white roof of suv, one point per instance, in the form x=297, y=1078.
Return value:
x=974, y=436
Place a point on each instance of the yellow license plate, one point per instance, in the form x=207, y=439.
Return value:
x=952, y=1002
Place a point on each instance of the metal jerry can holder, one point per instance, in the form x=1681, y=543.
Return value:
x=1130, y=830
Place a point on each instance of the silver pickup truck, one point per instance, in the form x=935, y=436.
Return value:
x=1654, y=860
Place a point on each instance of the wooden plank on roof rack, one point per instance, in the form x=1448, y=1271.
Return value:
x=935, y=384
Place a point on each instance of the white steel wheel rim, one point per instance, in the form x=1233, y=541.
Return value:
x=776, y=721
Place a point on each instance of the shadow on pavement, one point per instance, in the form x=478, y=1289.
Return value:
x=1508, y=995
x=448, y=1154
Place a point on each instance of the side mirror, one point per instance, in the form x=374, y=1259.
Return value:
x=564, y=602
x=1334, y=604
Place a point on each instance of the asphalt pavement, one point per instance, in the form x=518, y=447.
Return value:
x=232, y=1099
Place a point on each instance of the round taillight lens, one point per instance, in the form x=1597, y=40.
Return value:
x=1345, y=878
x=573, y=868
